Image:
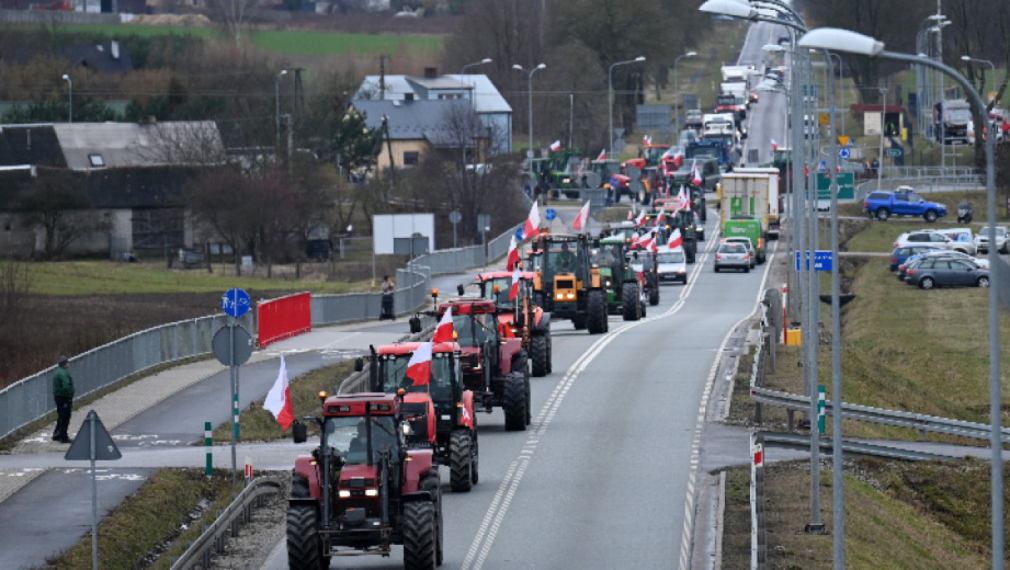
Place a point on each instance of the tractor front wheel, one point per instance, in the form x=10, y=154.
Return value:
x=432, y=483
x=653, y=289
x=419, y=535
x=515, y=402
x=538, y=352
x=460, y=461
x=305, y=549
x=597, y=312
x=475, y=447
x=630, y=302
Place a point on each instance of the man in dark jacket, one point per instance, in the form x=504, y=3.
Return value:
x=63, y=393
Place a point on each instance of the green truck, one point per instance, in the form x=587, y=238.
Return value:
x=748, y=227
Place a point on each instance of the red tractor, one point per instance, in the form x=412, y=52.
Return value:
x=522, y=316
x=362, y=490
x=440, y=414
x=494, y=362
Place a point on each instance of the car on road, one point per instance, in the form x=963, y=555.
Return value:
x=901, y=254
x=693, y=118
x=932, y=272
x=748, y=244
x=733, y=255
x=935, y=239
x=982, y=240
x=671, y=264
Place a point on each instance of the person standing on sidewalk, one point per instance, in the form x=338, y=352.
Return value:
x=63, y=393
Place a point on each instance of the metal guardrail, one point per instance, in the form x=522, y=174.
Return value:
x=31, y=398
x=198, y=554
x=801, y=442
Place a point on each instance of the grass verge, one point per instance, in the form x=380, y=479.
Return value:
x=257, y=424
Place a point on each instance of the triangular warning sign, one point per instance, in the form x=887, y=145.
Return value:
x=105, y=449
x=844, y=141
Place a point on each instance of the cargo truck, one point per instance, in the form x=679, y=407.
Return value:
x=745, y=194
x=775, y=197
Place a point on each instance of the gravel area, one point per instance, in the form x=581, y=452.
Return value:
x=258, y=537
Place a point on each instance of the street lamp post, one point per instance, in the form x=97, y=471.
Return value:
x=676, y=95
x=992, y=66
x=277, y=109
x=70, y=96
x=518, y=67
x=883, y=113
x=473, y=95
x=610, y=95
x=852, y=42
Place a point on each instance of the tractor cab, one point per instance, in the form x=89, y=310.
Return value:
x=569, y=287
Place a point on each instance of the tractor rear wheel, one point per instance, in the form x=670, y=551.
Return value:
x=432, y=483
x=597, y=313
x=529, y=401
x=515, y=402
x=305, y=549
x=419, y=535
x=460, y=461
x=475, y=446
x=653, y=289
x=630, y=302
x=538, y=352
x=550, y=355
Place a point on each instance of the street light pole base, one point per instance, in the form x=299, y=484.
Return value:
x=812, y=528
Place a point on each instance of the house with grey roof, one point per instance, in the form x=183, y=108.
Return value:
x=488, y=103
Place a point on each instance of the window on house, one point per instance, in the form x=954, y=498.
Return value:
x=410, y=158
x=450, y=95
x=96, y=160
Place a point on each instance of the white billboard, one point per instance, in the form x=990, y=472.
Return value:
x=387, y=227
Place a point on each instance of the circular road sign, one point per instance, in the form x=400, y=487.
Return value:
x=455, y=217
x=235, y=303
x=228, y=353
x=550, y=214
x=844, y=153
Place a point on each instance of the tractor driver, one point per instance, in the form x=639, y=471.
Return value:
x=566, y=259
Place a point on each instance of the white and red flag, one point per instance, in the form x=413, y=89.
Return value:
x=532, y=228
x=603, y=156
x=419, y=365
x=640, y=220
x=513, y=257
x=775, y=145
x=278, y=400
x=684, y=201
x=646, y=140
x=696, y=174
x=556, y=146
x=648, y=240
x=661, y=218
x=581, y=221
x=443, y=332
x=514, y=290
x=675, y=239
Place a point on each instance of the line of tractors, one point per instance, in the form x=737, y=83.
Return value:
x=373, y=481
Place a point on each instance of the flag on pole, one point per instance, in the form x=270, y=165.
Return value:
x=631, y=215
x=278, y=400
x=556, y=146
x=419, y=365
x=443, y=332
x=603, y=156
x=660, y=218
x=675, y=239
x=514, y=290
x=695, y=173
x=640, y=220
x=648, y=240
x=532, y=228
x=581, y=221
x=646, y=140
x=513, y=257
x=775, y=145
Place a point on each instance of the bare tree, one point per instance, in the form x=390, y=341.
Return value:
x=15, y=285
x=220, y=200
x=234, y=14
x=58, y=203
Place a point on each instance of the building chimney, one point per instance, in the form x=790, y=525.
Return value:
x=430, y=72
x=115, y=49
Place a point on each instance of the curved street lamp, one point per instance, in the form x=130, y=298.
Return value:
x=277, y=109
x=610, y=95
x=70, y=89
x=836, y=39
x=676, y=92
x=518, y=67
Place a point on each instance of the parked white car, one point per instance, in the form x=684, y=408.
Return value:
x=935, y=239
x=982, y=240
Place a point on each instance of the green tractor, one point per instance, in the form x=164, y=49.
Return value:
x=625, y=295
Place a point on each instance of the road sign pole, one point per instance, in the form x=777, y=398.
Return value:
x=208, y=440
x=234, y=398
x=94, y=495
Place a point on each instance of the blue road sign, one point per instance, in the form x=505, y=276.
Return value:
x=822, y=261
x=235, y=303
x=822, y=166
x=844, y=153
x=519, y=233
x=550, y=214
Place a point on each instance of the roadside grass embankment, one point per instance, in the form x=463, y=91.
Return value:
x=904, y=349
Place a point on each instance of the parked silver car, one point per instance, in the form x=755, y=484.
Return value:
x=931, y=272
x=982, y=239
x=732, y=255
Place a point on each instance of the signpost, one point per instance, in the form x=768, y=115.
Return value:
x=454, y=218
x=235, y=303
x=822, y=260
x=894, y=152
x=846, y=185
x=93, y=443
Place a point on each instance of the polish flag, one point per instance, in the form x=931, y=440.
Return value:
x=581, y=221
x=640, y=220
x=660, y=218
x=513, y=257
x=419, y=365
x=648, y=240
x=278, y=400
x=514, y=290
x=556, y=146
x=636, y=240
x=675, y=239
x=695, y=174
x=664, y=169
x=775, y=145
x=631, y=215
x=443, y=332
x=646, y=140
x=603, y=156
x=532, y=228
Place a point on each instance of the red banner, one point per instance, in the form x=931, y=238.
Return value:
x=284, y=318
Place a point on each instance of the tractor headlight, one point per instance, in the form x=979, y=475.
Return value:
x=371, y=492
x=345, y=494
x=407, y=430
x=608, y=283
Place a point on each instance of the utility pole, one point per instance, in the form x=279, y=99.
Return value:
x=382, y=76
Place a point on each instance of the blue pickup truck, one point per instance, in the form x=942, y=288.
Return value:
x=902, y=202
